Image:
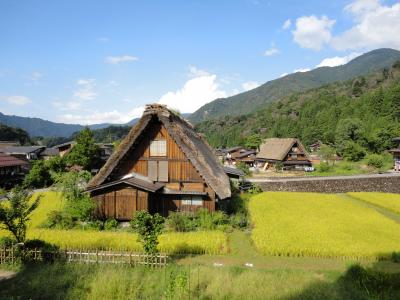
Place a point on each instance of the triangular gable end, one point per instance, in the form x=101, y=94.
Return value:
x=188, y=145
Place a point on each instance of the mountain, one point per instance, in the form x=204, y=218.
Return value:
x=40, y=127
x=356, y=116
x=8, y=133
x=274, y=90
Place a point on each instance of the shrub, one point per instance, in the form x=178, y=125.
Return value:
x=375, y=160
x=7, y=242
x=209, y=221
x=324, y=167
x=81, y=209
x=111, y=224
x=244, y=168
x=39, y=245
x=15, y=213
x=353, y=151
x=181, y=222
x=60, y=220
x=149, y=227
x=239, y=220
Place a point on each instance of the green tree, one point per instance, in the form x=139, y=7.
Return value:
x=353, y=151
x=253, y=141
x=149, y=227
x=39, y=176
x=327, y=153
x=14, y=213
x=72, y=186
x=85, y=153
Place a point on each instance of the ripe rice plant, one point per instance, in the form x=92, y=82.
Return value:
x=321, y=225
x=210, y=242
x=388, y=201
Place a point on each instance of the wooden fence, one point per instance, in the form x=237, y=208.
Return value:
x=10, y=255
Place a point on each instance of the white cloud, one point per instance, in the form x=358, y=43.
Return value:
x=337, y=60
x=283, y=74
x=195, y=93
x=97, y=117
x=376, y=26
x=359, y=8
x=312, y=32
x=17, y=100
x=250, y=85
x=85, y=90
x=195, y=72
x=301, y=70
x=114, y=60
x=271, y=51
x=287, y=24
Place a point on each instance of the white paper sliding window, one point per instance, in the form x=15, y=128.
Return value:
x=158, y=148
x=192, y=200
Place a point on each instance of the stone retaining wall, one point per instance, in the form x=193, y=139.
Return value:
x=389, y=184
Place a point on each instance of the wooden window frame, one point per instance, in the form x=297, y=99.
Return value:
x=158, y=148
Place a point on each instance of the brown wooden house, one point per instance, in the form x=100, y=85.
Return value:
x=162, y=165
x=289, y=151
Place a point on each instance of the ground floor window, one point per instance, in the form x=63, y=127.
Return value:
x=192, y=200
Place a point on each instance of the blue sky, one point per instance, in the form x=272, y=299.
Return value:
x=102, y=61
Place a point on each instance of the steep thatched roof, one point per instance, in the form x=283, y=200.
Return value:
x=277, y=148
x=192, y=145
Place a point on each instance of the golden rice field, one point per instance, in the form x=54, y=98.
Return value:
x=320, y=225
x=388, y=201
x=210, y=242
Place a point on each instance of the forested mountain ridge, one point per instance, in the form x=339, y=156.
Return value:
x=39, y=127
x=363, y=112
x=13, y=134
x=274, y=90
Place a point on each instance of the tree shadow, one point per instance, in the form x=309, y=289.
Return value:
x=380, y=281
x=43, y=281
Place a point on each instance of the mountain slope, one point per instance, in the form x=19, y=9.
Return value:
x=362, y=114
x=274, y=90
x=40, y=127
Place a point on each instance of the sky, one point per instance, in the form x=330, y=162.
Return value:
x=91, y=62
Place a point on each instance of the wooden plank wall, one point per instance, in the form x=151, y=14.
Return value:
x=120, y=204
x=179, y=167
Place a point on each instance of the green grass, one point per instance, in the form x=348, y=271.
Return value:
x=81, y=281
x=388, y=201
x=320, y=225
x=343, y=168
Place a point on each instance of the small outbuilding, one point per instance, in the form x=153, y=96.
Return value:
x=162, y=165
x=396, y=154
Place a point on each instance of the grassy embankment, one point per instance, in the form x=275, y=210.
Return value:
x=341, y=168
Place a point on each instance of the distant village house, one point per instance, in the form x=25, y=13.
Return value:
x=288, y=151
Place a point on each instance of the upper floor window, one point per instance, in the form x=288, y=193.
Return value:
x=158, y=148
